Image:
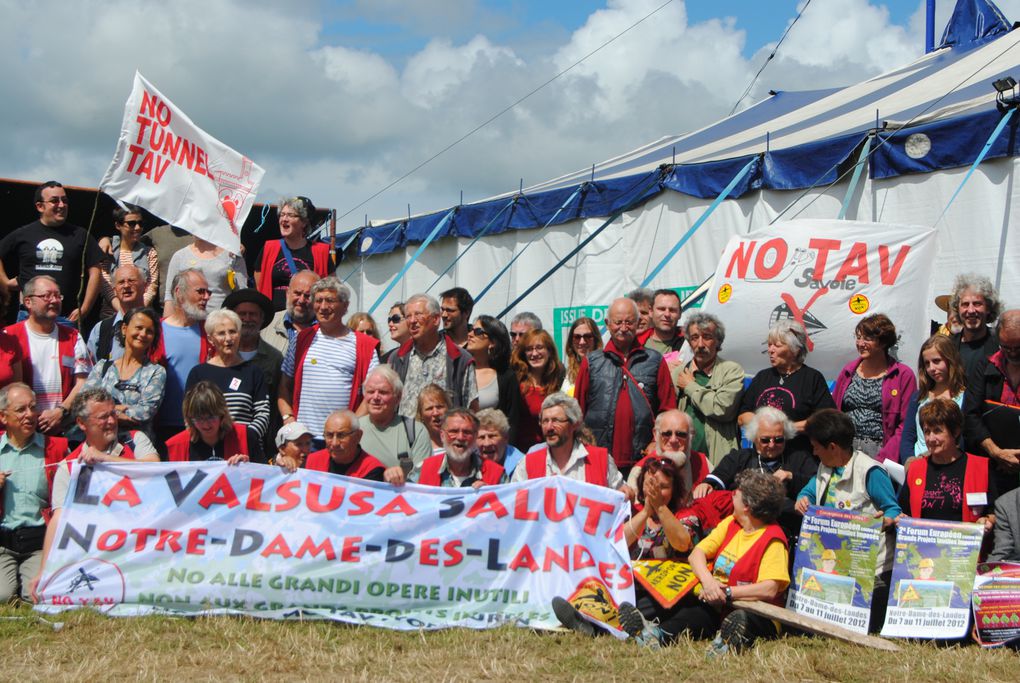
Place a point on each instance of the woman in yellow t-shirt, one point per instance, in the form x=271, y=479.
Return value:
x=750, y=563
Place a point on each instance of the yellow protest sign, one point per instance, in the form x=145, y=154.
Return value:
x=665, y=580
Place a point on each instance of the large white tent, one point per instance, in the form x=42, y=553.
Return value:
x=924, y=124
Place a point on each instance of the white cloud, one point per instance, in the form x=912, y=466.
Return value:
x=338, y=122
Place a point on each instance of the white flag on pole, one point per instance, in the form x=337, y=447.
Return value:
x=170, y=166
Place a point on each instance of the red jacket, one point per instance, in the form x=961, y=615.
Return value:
x=358, y=469
x=975, y=480
x=595, y=465
x=431, y=472
x=178, y=446
x=365, y=349
x=66, y=339
x=271, y=253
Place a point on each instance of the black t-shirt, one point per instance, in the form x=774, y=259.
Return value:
x=200, y=451
x=799, y=395
x=336, y=468
x=943, y=496
x=55, y=251
x=282, y=273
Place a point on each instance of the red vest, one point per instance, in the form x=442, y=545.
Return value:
x=271, y=253
x=157, y=354
x=595, y=465
x=975, y=480
x=745, y=570
x=492, y=472
x=698, y=461
x=365, y=348
x=358, y=469
x=178, y=446
x=66, y=338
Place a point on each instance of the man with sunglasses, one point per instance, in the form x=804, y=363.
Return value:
x=991, y=405
x=52, y=246
x=55, y=361
x=522, y=323
x=769, y=432
x=673, y=432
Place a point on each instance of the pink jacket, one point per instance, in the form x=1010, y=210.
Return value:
x=898, y=385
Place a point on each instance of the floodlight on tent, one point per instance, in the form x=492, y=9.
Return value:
x=1005, y=93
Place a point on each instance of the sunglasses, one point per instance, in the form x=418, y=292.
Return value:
x=656, y=464
x=773, y=439
x=394, y=319
x=479, y=332
x=669, y=434
x=132, y=224
x=583, y=336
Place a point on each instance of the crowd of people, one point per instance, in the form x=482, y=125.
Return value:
x=719, y=470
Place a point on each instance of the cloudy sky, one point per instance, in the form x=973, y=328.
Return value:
x=337, y=99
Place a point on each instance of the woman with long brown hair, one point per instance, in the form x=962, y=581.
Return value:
x=582, y=338
x=536, y=363
x=940, y=374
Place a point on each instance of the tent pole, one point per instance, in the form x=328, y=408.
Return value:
x=980, y=157
x=472, y=243
x=505, y=268
x=861, y=161
x=407, y=266
x=701, y=221
x=639, y=197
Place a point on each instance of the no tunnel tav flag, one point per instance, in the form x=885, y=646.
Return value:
x=170, y=166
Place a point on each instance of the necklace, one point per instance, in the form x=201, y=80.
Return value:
x=783, y=376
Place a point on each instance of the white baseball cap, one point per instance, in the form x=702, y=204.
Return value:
x=291, y=432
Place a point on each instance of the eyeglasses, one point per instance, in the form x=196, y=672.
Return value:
x=49, y=296
x=623, y=323
x=337, y=435
x=419, y=316
x=670, y=433
x=514, y=335
x=778, y=440
x=131, y=224
x=553, y=421
x=55, y=201
x=326, y=301
x=394, y=319
x=478, y=332
x=205, y=418
x=583, y=336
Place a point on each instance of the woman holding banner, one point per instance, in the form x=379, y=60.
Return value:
x=948, y=484
x=788, y=384
x=874, y=390
x=750, y=562
x=210, y=432
x=940, y=374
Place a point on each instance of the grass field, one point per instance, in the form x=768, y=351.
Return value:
x=94, y=647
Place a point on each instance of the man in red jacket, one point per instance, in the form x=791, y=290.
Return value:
x=461, y=464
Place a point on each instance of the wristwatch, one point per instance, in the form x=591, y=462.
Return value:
x=729, y=594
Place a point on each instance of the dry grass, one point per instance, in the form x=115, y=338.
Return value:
x=94, y=647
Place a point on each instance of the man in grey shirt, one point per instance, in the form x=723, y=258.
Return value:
x=400, y=444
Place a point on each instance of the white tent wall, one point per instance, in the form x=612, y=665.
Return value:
x=974, y=236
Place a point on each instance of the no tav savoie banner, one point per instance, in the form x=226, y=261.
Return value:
x=208, y=538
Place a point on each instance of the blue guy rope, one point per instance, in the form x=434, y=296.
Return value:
x=505, y=268
x=480, y=235
x=701, y=221
x=639, y=197
x=980, y=157
x=862, y=161
x=407, y=266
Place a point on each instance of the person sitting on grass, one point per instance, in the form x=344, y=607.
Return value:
x=750, y=562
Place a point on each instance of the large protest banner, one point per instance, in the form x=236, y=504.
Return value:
x=932, y=578
x=834, y=567
x=207, y=538
x=826, y=274
x=170, y=166
x=996, y=603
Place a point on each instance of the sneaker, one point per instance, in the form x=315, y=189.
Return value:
x=644, y=632
x=571, y=618
x=734, y=631
x=717, y=649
